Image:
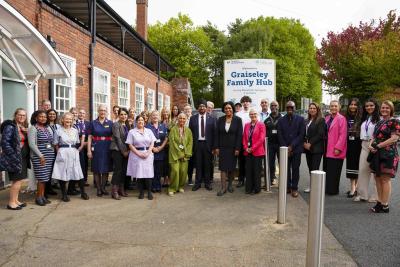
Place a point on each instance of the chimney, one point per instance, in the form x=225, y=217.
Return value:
x=141, y=18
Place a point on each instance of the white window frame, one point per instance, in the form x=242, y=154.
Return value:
x=167, y=104
x=160, y=100
x=72, y=96
x=128, y=88
x=151, y=106
x=97, y=71
x=139, y=105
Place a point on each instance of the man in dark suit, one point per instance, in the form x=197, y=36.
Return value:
x=291, y=135
x=203, y=128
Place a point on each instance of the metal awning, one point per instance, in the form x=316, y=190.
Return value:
x=25, y=50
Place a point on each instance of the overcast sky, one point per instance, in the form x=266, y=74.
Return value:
x=319, y=16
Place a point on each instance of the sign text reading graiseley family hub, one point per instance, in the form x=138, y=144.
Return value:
x=251, y=77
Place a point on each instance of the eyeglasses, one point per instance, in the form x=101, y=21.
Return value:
x=289, y=107
x=264, y=102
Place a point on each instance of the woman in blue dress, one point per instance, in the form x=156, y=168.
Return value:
x=160, y=131
x=100, y=133
x=40, y=139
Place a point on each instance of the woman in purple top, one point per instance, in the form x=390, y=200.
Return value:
x=140, y=163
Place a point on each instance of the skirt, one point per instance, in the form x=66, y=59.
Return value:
x=227, y=159
x=353, y=158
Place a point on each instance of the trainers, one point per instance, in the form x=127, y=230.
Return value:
x=307, y=190
x=171, y=194
x=181, y=190
x=274, y=182
x=358, y=199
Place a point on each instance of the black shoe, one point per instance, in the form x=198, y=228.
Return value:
x=87, y=184
x=16, y=208
x=385, y=208
x=230, y=189
x=141, y=195
x=377, y=208
x=104, y=192
x=65, y=198
x=99, y=193
x=22, y=205
x=209, y=187
x=196, y=187
x=149, y=196
x=84, y=196
x=240, y=184
x=39, y=201
x=350, y=195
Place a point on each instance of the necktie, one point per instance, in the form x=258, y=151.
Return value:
x=202, y=126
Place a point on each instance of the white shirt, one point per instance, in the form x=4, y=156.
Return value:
x=205, y=119
x=263, y=116
x=244, y=115
x=367, y=130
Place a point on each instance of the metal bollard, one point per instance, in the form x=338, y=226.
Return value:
x=315, y=218
x=283, y=169
x=267, y=177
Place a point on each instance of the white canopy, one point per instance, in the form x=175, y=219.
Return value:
x=26, y=50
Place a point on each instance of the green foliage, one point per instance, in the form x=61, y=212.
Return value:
x=362, y=61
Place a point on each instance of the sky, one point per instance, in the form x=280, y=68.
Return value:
x=319, y=16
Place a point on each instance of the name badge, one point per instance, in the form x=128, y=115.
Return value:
x=161, y=132
x=107, y=126
x=352, y=138
x=248, y=144
x=274, y=131
x=92, y=149
x=158, y=141
x=181, y=146
x=48, y=146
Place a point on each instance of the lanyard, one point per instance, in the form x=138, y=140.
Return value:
x=367, y=123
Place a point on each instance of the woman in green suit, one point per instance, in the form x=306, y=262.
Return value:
x=180, y=151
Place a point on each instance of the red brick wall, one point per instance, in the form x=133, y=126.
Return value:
x=74, y=42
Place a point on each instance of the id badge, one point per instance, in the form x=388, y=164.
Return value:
x=274, y=131
x=158, y=141
x=248, y=144
x=161, y=132
x=181, y=146
x=48, y=146
x=92, y=149
x=352, y=138
x=107, y=126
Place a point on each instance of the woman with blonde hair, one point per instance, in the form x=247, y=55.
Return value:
x=67, y=166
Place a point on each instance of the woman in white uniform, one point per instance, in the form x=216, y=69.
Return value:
x=67, y=166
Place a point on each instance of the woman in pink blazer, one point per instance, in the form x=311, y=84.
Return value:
x=254, y=151
x=336, y=148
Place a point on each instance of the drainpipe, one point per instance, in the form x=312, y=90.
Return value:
x=91, y=54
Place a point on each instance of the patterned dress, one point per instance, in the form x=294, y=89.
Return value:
x=389, y=156
x=44, y=141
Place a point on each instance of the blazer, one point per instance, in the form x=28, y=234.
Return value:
x=337, y=137
x=175, y=152
x=118, y=138
x=209, y=131
x=232, y=138
x=291, y=132
x=258, y=139
x=315, y=135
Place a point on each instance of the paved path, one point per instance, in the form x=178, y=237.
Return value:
x=371, y=239
x=190, y=229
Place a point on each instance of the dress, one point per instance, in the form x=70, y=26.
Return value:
x=139, y=167
x=353, y=148
x=229, y=139
x=101, y=140
x=44, y=139
x=67, y=166
x=389, y=156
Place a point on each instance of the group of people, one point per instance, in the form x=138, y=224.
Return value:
x=150, y=146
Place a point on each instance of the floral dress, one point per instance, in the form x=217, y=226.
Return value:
x=389, y=156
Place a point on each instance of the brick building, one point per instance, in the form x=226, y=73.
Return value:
x=110, y=63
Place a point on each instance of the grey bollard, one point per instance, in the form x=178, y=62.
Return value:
x=267, y=177
x=283, y=170
x=315, y=218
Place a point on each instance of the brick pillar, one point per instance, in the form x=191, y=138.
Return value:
x=141, y=17
x=181, y=92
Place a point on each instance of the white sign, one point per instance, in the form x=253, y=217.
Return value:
x=252, y=77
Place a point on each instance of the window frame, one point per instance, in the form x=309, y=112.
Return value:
x=160, y=106
x=97, y=71
x=72, y=97
x=153, y=92
x=141, y=107
x=128, y=82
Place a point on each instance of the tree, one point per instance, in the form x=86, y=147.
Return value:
x=362, y=61
x=290, y=44
x=187, y=48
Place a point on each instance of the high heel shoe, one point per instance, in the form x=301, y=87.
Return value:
x=377, y=208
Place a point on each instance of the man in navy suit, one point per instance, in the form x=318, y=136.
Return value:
x=291, y=134
x=203, y=128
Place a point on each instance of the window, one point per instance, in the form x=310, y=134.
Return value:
x=64, y=88
x=160, y=100
x=123, y=92
x=150, y=99
x=101, y=90
x=139, y=98
x=167, y=102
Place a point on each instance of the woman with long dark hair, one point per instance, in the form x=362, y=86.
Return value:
x=314, y=138
x=353, y=118
x=174, y=115
x=15, y=154
x=40, y=138
x=370, y=118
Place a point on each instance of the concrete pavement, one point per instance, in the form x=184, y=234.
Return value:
x=189, y=229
